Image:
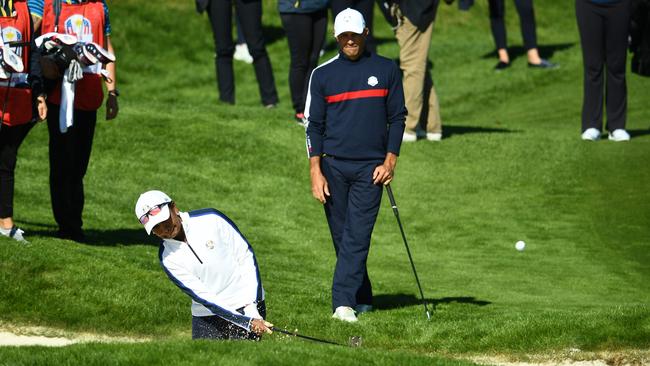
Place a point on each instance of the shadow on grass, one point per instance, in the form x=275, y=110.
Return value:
x=546, y=51
x=449, y=131
x=106, y=237
x=394, y=301
x=639, y=133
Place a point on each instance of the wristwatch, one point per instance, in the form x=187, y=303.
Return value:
x=114, y=92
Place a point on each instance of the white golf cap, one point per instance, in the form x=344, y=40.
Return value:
x=146, y=202
x=349, y=20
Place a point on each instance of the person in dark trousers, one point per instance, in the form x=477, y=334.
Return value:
x=71, y=139
x=249, y=13
x=305, y=23
x=640, y=37
x=366, y=8
x=604, y=29
x=22, y=103
x=209, y=259
x=528, y=32
x=355, y=120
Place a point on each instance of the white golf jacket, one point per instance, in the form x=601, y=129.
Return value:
x=216, y=267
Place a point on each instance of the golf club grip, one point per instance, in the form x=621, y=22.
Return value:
x=392, y=199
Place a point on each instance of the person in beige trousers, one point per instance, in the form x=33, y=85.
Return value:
x=413, y=33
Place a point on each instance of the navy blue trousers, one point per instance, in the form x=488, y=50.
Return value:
x=351, y=212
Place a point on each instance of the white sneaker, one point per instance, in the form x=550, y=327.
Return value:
x=591, y=134
x=14, y=233
x=345, y=313
x=242, y=54
x=409, y=137
x=434, y=136
x=363, y=308
x=619, y=135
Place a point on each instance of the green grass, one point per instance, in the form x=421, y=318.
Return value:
x=511, y=168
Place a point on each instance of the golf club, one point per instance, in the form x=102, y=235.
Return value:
x=401, y=229
x=355, y=341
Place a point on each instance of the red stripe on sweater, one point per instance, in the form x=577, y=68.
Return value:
x=368, y=93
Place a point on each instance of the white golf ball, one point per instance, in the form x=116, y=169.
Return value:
x=520, y=245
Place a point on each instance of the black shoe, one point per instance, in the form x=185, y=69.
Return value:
x=544, y=64
x=501, y=66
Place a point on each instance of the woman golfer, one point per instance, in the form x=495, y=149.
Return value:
x=207, y=257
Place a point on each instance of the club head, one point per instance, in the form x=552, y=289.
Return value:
x=49, y=44
x=10, y=61
x=86, y=58
x=44, y=38
x=65, y=39
x=355, y=341
x=58, y=38
x=99, y=52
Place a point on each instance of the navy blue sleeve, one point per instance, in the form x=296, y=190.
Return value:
x=315, y=112
x=395, y=111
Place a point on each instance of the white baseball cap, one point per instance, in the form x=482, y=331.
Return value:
x=349, y=20
x=152, y=208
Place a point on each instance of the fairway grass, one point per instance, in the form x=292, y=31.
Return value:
x=511, y=167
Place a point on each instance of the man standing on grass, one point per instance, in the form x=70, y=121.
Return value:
x=355, y=112
x=206, y=256
x=72, y=106
x=413, y=32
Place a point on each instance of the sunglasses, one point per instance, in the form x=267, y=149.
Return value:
x=144, y=219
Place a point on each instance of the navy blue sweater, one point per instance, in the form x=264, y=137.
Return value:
x=355, y=109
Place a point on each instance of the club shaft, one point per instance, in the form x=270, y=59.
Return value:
x=391, y=197
x=280, y=330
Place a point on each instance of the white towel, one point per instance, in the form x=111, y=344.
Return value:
x=71, y=75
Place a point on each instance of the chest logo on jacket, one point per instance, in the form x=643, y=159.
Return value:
x=372, y=81
x=80, y=27
x=209, y=244
x=11, y=34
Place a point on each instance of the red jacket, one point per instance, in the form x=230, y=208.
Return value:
x=18, y=103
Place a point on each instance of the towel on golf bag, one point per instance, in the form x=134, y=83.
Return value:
x=73, y=73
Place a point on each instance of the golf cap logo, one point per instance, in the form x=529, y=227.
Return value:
x=11, y=34
x=349, y=20
x=79, y=26
x=209, y=244
x=372, y=81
